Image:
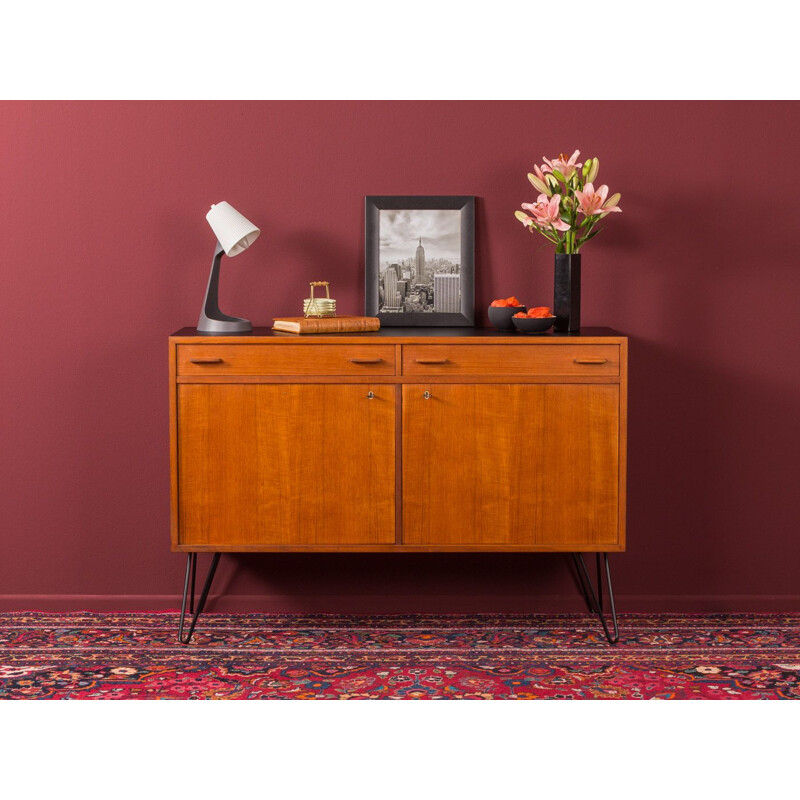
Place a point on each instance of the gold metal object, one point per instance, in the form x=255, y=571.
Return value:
x=319, y=306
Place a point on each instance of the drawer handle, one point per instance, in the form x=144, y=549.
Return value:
x=370, y=395
x=206, y=360
x=366, y=360
x=431, y=360
x=591, y=360
x=426, y=395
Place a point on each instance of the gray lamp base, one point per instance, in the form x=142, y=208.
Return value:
x=223, y=326
x=212, y=320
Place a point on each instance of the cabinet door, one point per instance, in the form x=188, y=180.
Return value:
x=281, y=464
x=525, y=465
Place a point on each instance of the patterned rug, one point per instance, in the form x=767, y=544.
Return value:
x=286, y=656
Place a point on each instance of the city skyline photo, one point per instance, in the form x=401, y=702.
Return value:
x=419, y=261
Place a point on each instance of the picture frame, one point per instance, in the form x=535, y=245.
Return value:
x=420, y=260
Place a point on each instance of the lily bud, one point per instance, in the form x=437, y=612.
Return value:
x=568, y=203
x=612, y=201
x=523, y=217
x=586, y=166
x=593, y=170
x=539, y=184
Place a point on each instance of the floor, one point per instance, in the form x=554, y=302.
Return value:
x=87, y=655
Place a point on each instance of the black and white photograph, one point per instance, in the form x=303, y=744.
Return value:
x=419, y=260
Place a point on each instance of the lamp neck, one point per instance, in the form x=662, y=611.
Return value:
x=212, y=320
x=211, y=306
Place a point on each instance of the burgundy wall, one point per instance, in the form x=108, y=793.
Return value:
x=106, y=252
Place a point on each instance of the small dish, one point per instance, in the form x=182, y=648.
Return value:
x=500, y=316
x=533, y=324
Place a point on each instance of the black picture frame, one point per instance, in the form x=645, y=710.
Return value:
x=373, y=205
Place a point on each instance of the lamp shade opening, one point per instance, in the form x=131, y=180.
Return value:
x=233, y=231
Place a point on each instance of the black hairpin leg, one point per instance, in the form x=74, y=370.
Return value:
x=595, y=600
x=191, y=569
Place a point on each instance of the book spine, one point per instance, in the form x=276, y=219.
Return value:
x=326, y=325
x=336, y=326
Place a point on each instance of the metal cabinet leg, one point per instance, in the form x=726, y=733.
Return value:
x=595, y=599
x=191, y=569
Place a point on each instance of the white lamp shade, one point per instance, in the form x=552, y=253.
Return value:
x=234, y=232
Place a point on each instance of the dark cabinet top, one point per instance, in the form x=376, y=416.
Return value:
x=405, y=334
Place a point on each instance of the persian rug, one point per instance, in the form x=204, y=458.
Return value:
x=289, y=656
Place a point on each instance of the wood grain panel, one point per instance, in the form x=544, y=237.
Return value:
x=289, y=359
x=623, y=443
x=173, y=447
x=502, y=360
x=283, y=464
x=511, y=465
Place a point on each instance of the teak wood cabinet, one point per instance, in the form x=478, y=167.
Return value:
x=426, y=440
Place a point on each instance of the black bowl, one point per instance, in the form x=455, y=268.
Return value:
x=533, y=324
x=500, y=316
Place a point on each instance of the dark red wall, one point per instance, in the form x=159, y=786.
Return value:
x=106, y=251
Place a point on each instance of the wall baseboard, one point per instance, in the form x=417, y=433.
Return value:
x=404, y=604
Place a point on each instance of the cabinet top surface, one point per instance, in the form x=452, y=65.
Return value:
x=403, y=336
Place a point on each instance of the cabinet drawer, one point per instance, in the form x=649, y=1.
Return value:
x=511, y=359
x=285, y=359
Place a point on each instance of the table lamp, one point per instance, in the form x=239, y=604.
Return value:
x=234, y=234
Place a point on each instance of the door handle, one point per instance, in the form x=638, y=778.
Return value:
x=590, y=360
x=366, y=360
x=205, y=360
x=431, y=360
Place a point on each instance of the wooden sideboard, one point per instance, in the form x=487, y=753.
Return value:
x=403, y=440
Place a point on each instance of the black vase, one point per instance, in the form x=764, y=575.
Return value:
x=567, y=293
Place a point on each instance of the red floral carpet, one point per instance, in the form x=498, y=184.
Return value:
x=256, y=656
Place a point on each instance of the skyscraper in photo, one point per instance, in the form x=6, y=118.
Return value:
x=419, y=264
x=447, y=293
x=391, y=297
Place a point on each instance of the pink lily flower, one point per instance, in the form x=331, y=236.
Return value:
x=545, y=212
x=566, y=166
x=593, y=202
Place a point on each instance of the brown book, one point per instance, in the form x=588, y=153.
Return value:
x=326, y=324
